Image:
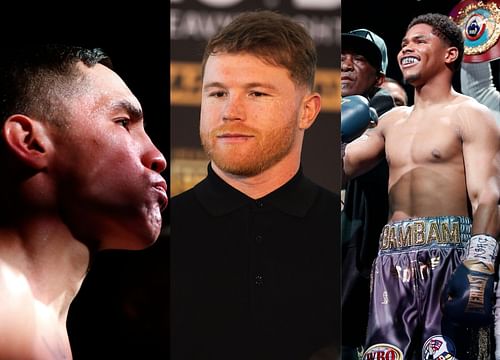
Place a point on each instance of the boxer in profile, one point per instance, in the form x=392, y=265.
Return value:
x=79, y=175
x=433, y=277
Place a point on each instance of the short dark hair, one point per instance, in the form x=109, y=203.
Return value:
x=272, y=37
x=34, y=78
x=446, y=29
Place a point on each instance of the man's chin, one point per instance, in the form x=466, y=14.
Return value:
x=136, y=237
x=237, y=167
x=130, y=243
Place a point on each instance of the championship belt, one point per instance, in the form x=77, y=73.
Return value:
x=480, y=23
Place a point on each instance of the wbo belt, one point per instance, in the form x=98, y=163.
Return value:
x=416, y=232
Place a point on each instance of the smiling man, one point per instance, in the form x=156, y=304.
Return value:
x=255, y=270
x=432, y=281
x=80, y=175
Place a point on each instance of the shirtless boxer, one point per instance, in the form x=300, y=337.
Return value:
x=442, y=155
x=79, y=174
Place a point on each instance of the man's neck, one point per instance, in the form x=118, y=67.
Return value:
x=261, y=184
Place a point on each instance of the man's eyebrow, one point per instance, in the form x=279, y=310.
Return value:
x=414, y=37
x=216, y=84
x=261, y=84
x=213, y=84
x=133, y=111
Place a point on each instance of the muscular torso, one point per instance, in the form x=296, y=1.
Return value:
x=425, y=156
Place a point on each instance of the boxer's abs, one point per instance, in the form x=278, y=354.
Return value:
x=422, y=191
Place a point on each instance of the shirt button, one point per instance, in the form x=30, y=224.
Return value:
x=259, y=280
x=260, y=204
x=259, y=239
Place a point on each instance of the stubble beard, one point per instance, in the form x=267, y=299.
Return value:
x=243, y=161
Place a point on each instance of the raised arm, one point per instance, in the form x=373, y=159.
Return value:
x=362, y=154
x=476, y=80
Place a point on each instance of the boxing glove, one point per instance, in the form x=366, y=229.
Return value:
x=469, y=297
x=356, y=117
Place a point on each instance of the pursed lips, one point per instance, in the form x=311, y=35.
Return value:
x=161, y=189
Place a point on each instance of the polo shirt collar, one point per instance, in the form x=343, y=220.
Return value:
x=219, y=198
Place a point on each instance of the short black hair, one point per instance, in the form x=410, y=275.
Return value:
x=32, y=76
x=446, y=29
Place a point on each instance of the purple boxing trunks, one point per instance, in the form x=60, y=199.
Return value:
x=415, y=260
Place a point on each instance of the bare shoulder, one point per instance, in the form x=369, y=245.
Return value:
x=17, y=314
x=474, y=116
x=13, y=285
x=17, y=305
x=394, y=115
x=468, y=105
x=26, y=330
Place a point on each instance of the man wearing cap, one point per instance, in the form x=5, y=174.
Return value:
x=363, y=67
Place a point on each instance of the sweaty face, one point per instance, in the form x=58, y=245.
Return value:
x=249, y=113
x=358, y=76
x=107, y=169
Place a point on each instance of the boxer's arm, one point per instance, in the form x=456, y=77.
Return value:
x=356, y=116
x=469, y=295
x=364, y=153
x=481, y=149
x=361, y=149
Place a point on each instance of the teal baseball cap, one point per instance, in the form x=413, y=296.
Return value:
x=370, y=45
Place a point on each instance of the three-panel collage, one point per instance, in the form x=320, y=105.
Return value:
x=252, y=180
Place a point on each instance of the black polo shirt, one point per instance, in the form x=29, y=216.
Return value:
x=254, y=279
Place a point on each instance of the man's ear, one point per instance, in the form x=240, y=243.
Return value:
x=451, y=55
x=26, y=139
x=311, y=106
x=380, y=80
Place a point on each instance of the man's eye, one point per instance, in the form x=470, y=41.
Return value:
x=124, y=122
x=217, y=94
x=258, y=94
